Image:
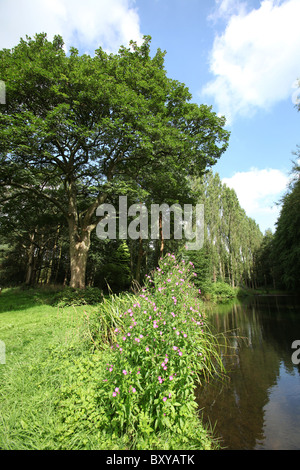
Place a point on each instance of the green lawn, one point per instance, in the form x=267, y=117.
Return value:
x=35, y=335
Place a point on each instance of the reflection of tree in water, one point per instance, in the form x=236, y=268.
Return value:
x=280, y=323
x=270, y=325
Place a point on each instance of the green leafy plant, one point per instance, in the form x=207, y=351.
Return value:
x=70, y=296
x=163, y=346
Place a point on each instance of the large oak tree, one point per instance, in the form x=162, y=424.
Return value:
x=74, y=125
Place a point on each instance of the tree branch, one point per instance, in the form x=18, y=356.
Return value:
x=40, y=194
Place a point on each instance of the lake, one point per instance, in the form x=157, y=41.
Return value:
x=258, y=405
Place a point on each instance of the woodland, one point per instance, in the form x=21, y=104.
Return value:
x=78, y=131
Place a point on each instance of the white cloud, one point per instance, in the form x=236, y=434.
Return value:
x=255, y=61
x=89, y=23
x=226, y=8
x=258, y=191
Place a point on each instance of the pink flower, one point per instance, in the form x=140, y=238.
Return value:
x=180, y=353
x=147, y=349
x=124, y=372
x=117, y=389
x=164, y=398
x=175, y=348
x=134, y=390
x=171, y=377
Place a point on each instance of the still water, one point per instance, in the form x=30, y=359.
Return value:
x=258, y=406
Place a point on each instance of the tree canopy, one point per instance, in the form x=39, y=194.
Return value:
x=76, y=130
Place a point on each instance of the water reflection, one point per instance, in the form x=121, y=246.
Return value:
x=259, y=406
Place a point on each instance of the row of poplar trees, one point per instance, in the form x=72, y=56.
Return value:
x=232, y=239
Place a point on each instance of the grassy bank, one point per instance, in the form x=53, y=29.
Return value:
x=221, y=292
x=115, y=375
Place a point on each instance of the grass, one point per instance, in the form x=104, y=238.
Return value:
x=32, y=330
x=52, y=385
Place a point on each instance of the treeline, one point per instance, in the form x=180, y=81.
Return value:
x=278, y=259
x=36, y=247
x=231, y=238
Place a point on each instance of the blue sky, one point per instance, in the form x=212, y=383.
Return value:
x=241, y=57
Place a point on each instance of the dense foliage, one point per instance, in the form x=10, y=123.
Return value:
x=278, y=263
x=78, y=131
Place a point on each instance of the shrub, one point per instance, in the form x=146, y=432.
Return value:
x=220, y=292
x=69, y=296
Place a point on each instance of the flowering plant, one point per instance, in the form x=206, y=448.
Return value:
x=163, y=346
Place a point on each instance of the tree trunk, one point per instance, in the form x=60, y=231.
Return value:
x=139, y=261
x=30, y=265
x=53, y=253
x=161, y=236
x=66, y=276
x=214, y=274
x=58, y=264
x=79, y=248
x=80, y=236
